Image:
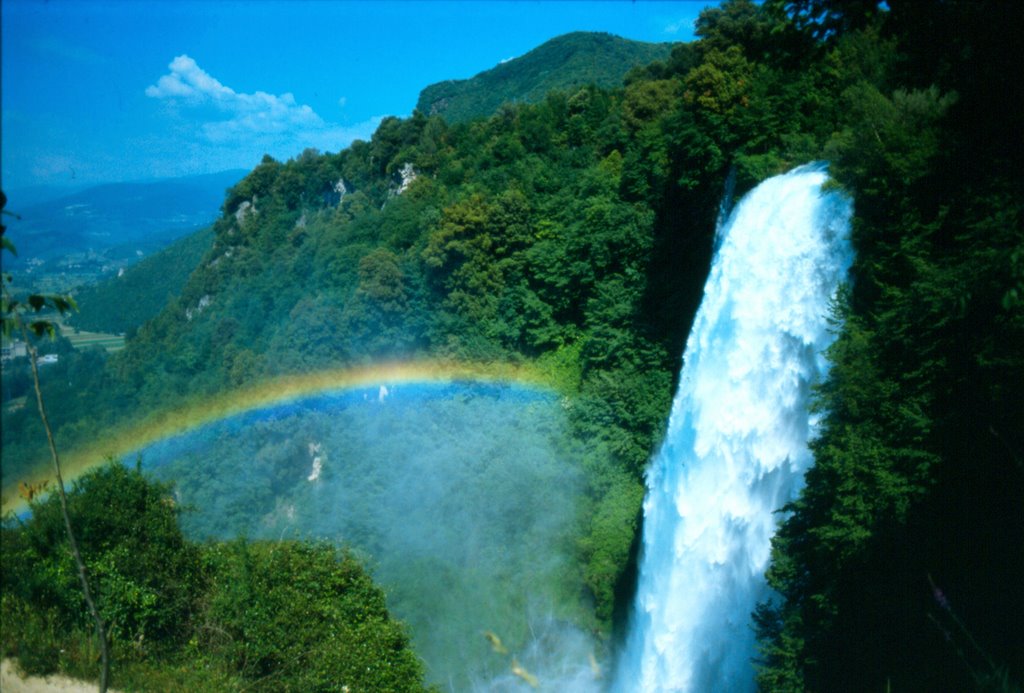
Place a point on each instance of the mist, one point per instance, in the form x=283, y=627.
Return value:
x=462, y=499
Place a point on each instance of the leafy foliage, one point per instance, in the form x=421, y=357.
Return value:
x=920, y=455
x=12, y=316
x=564, y=63
x=464, y=499
x=282, y=616
x=292, y=616
x=127, y=529
x=123, y=303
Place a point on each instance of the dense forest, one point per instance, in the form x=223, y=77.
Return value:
x=120, y=304
x=575, y=233
x=565, y=63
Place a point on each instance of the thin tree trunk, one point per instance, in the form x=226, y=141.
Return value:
x=101, y=631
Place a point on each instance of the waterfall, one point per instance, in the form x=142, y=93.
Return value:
x=736, y=446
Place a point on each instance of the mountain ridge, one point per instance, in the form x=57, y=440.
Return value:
x=565, y=62
x=102, y=217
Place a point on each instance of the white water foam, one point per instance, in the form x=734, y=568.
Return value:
x=736, y=447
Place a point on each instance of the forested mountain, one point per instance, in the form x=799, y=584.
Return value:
x=574, y=233
x=123, y=302
x=531, y=237
x=567, y=63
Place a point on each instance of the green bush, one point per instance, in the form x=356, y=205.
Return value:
x=145, y=575
x=301, y=617
x=281, y=617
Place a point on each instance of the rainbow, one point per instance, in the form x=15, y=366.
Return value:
x=166, y=424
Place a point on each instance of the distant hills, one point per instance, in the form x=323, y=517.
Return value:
x=103, y=228
x=566, y=62
x=30, y=195
x=151, y=283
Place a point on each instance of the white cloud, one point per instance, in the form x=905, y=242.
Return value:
x=687, y=25
x=258, y=112
x=276, y=124
x=187, y=79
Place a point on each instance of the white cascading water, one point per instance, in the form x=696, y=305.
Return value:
x=736, y=446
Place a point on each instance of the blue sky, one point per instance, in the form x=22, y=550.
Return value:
x=112, y=91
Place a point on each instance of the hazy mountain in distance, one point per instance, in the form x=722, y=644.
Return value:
x=565, y=62
x=22, y=197
x=122, y=218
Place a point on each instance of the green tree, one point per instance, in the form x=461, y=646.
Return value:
x=275, y=616
x=737, y=24
x=299, y=617
x=144, y=574
x=13, y=321
x=906, y=514
x=376, y=318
